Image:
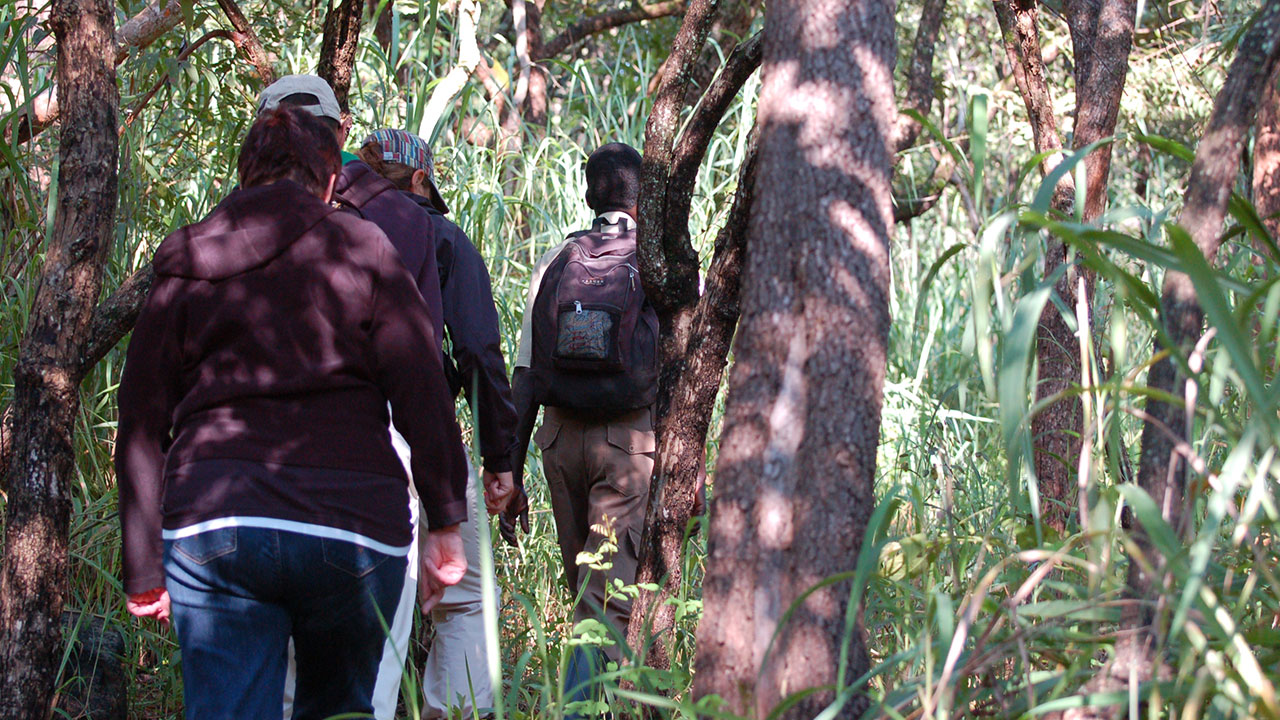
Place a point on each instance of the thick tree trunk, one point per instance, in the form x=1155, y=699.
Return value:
x=1162, y=472
x=794, y=483
x=681, y=454
x=338, y=48
x=46, y=380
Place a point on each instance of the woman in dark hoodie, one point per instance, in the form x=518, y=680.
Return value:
x=403, y=165
x=260, y=495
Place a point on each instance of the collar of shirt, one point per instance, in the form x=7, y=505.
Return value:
x=612, y=221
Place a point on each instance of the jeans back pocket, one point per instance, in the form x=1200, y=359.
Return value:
x=355, y=560
x=207, y=546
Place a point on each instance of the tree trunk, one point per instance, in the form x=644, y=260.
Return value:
x=46, y=380
x=669, y=270
x=1102, y=37
x=920, y=74
x=531, y=86
x=338, y=48
x=1266, y=163
x=1161, y=471
x=1056, y=430
x=794, y=484
x=730, y=28
x=681, y=455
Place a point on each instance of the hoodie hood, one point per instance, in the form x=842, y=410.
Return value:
x=248, y=229
x=359, y=184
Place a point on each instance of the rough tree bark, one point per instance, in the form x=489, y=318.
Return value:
x=669, y=270
x=1266, y=162
x=46, y=381
x=1102, y=36
x=338, y=48
x=685, y=421
x=247, y=42
x=919, y=95
x=794, y=482
x=1161, y=471
x=1056, y=430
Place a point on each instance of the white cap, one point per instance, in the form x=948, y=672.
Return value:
x=326, y=102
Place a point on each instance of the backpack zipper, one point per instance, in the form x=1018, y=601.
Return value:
x=577, y=307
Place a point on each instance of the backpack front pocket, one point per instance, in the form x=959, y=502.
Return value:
x=587, y=337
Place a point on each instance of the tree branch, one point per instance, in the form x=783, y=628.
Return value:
x=147, y=26
x=456, y=78
x=691, y=148
x=247, y=41
x=920, y=80
x=338, y=49
x=906, y=208
x=1022, y=45
x=670, y=281
x=182, y=56
x=136, y=33
x=587, y=27
x=115, y=316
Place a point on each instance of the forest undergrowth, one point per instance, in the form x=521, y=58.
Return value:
x=973, y=607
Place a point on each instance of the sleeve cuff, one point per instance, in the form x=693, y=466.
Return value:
x=142, y=583
x=442, y=516
x=498, y=463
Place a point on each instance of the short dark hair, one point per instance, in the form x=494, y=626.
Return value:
x=613, y=178
x=288, y=143
x=310, y=100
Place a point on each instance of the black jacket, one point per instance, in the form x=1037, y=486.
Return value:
x=475, y=364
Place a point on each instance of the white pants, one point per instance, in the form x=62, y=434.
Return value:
x=457, y=668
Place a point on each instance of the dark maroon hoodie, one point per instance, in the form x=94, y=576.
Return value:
x=275, y=335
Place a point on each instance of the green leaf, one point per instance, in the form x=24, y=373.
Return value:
x=1147, y=513
x=1230, y=334
x=1167, y=146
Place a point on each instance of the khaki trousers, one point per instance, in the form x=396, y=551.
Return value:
x=596, y=470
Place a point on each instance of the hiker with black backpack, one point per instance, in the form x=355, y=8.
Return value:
x=589, y=355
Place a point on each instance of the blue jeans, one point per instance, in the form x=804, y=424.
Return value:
x=238, y=595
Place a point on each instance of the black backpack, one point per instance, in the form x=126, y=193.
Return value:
x=595, y=336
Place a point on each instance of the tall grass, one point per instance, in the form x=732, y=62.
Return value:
x=971, y=606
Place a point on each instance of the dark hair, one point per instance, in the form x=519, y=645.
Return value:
x=288, y=143
x=305, y=99
x=400, y=174
x=613, y=178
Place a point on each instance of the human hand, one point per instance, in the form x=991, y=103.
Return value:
x=444, y=562
x=498, y=490
x=153, y=603
x=517, y=511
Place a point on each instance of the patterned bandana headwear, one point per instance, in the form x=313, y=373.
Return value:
x=409, y=149
x=403, y=147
